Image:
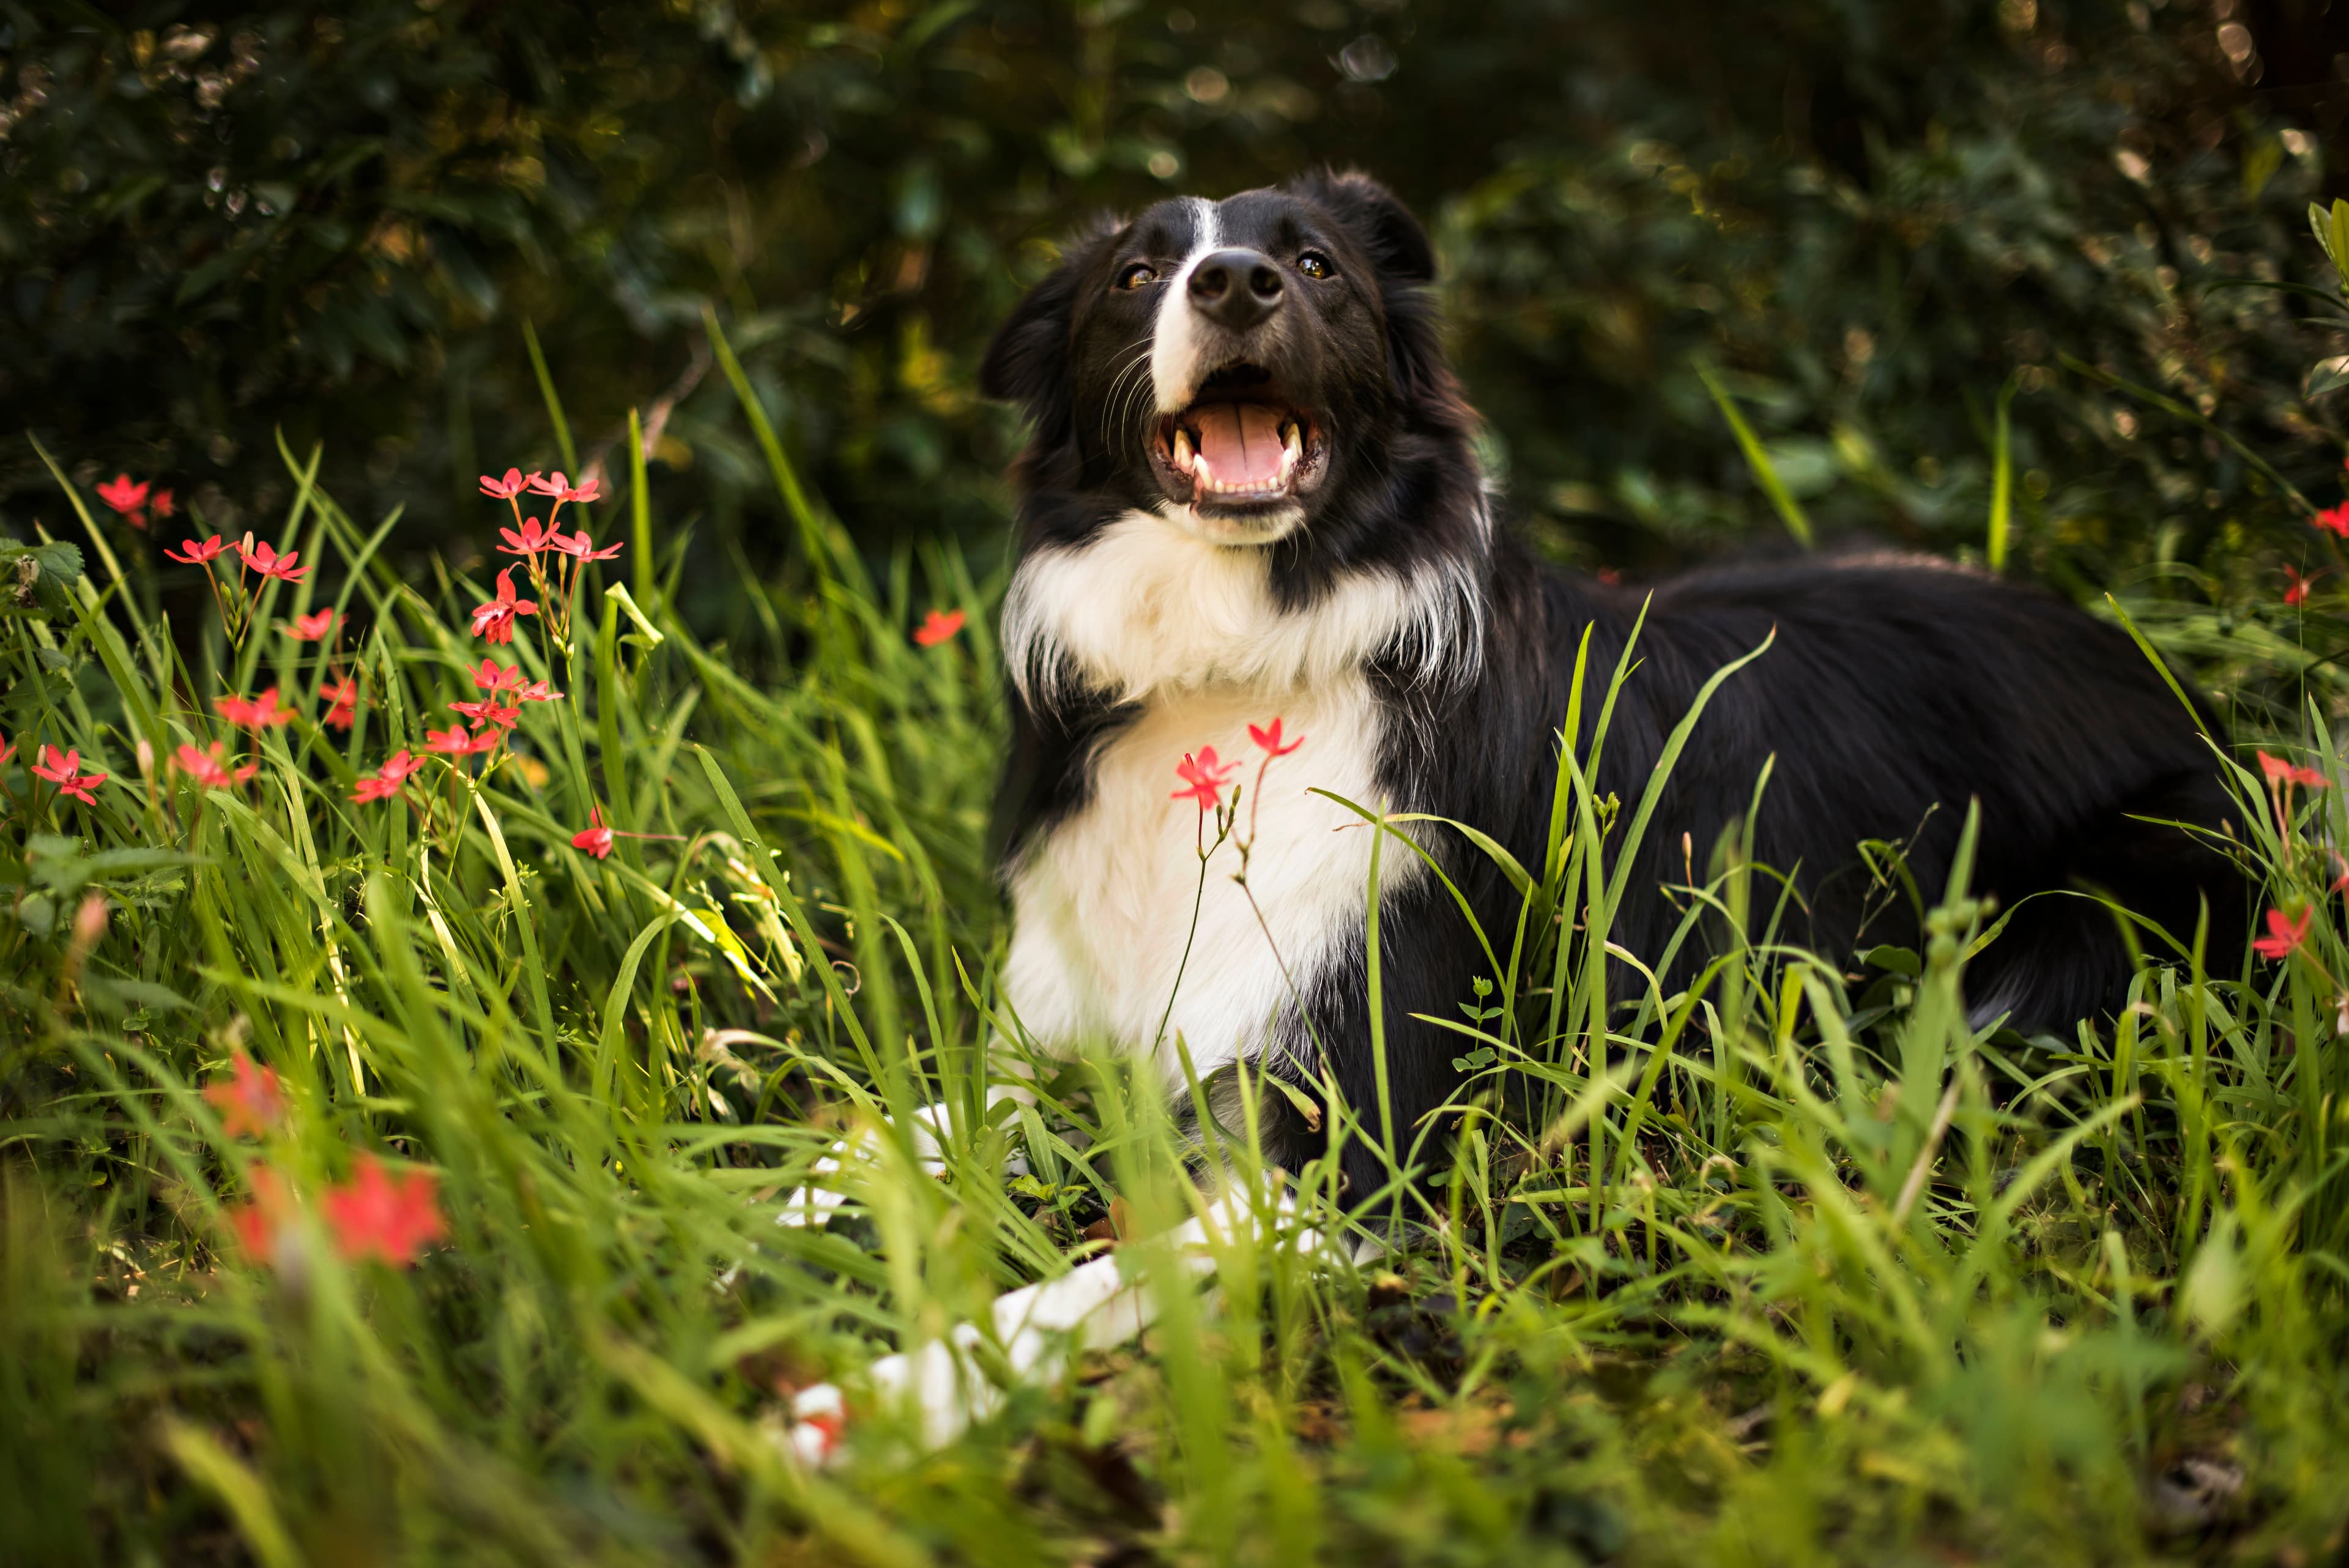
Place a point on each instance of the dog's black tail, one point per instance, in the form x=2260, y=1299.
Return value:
x=2062, y=956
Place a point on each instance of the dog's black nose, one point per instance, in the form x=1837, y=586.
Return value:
x=1235, y=288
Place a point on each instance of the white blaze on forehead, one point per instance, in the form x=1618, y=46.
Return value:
x=1175, y=368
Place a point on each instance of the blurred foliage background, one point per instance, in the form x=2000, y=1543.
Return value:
x=1873, y=216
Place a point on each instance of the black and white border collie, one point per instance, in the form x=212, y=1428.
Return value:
x=1250, y=491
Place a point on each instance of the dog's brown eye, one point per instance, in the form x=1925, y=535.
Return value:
x=1313, y=263
x=1137, y=274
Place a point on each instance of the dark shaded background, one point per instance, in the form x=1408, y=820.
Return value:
x=219, y=222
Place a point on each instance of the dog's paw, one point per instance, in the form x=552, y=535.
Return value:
x=816, y=1200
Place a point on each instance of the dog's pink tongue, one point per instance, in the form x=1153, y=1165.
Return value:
x=1241, y=442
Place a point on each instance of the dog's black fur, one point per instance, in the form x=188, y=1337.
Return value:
x=1897, y=691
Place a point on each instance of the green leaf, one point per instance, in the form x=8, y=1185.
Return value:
x=2002, y=479
x=2326, y=375
x=1765, y=473
x=38, y=579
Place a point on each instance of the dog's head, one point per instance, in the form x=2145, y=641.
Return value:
x=1247, y=368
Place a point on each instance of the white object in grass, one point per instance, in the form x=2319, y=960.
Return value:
x=813, y=1203
x=946, y=1383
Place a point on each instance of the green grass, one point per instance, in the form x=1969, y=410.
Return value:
x=1787, y=1269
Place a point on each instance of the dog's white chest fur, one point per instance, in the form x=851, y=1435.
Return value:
x=1102, y=907
x=1102, y=904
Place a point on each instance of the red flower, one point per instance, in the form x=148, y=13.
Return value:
x=62, y=769
x=7, y=750
x=163, y=506
x=579, y=547
x=261, y=1224
x=495, y=621
x=383, y=1217
x=490, y=677
x=208, y=768
x=387, y=781
x=343, y=701
x=936, y=627
x=311, y=627
x=488, y=713
x=260, y=712
x=532, y=539
x=125, y=497
x=511, y=485
x=2284, y=937
x=596, y=841
x=198, y=555
x=454, y=742
x=1206, y=774
x=2297, y=587
x=1270, y=741
x=561, y=489
x=2334, y=520
x=829, y=1425
x=2279, y=771
x=538, y=691
x=264, y=559
x=250, y=1102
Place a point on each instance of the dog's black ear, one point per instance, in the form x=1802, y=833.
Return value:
x=1385, y=229
x=1393, y=243
x=1028, y=363
x=1030, y=356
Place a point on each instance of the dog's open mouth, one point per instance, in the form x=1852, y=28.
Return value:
x=1240, y=446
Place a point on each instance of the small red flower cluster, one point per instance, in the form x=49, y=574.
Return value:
x=389, y=780
x=250, y=1101
x=2281, y=772
x=255, y=713
x=266, y=566
x=937, y=626
x=62, y=769
x=1205, y=776
x=373, y=1215
x=495, y=620
x=2285, y=935
x=2333, y=520
x=312, y=627
x=491, y=717
x=535, y=542
x=210, y=769
x=262, y=557
x=133, y=501
x=387, y=1218
x=596, y=838
x=342, y=695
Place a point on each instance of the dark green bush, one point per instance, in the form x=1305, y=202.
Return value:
x=217, y=223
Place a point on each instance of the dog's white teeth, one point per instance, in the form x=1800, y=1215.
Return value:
x=1208, y=484
x=1292, y=449
x=1183, y=455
